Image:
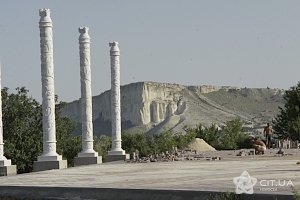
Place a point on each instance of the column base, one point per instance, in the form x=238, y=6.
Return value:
x=5, y=162
x=8, y=170
x=78, y=161
x=48, y=165
x=116, y=152
x=43, y=158
x=91, y=154
x=111, y=158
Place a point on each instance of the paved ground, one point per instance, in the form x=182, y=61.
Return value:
x=199, y=175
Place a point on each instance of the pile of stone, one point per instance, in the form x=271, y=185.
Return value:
x=170, y=157
x=280, y=152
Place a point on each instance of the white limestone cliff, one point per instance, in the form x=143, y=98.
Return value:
x=157, y=107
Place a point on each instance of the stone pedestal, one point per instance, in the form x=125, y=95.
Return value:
x=8, y=170
x=48, y=165
x=111, y=158
x=87, y=160
x=115, y=155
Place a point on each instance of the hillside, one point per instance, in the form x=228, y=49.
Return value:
x=261, y=104
x=155, y=107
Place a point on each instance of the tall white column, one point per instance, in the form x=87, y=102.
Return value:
x=47, y=72
x=115, y=100
x=87, y=155
x=86, y=94
x=3, y=160
x=49, y=158
x=5, y=164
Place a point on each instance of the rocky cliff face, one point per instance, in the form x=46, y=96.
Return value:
x=156, y=107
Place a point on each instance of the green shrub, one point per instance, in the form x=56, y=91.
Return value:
x=244, y=141
x=183, y=140
x=210, y=134
x=136, y=141
x=231, y=134
x=23, y=132
x=102, y=145
x=230, y=137
x=164, y=142
x=159, y=143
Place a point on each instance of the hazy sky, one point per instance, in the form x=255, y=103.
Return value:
x=254, y=43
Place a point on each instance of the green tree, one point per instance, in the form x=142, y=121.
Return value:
x=136, y=141
x=68, y=145
x=210, y=134
x=287, y=122
x=102, y=145
x=22, y=128
x=183, y=140
x=230, y=137
x=231, y=134
x=163, y=142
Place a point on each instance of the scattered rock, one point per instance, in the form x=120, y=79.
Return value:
x=190, y=158
x=242, y=153
x=252, y=152
x=216, y=158
x=280, y=151
x=208, y=158
x=179, y=159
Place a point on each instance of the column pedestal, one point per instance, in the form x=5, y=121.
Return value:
x=48, y=165
x=49, y=162
x=116, y=155
x=111, y=158
x=6, y=169
x=87, y=159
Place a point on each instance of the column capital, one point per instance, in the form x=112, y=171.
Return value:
x=84, y=35
x=114, y=48
x=45, y=15
x=83, y=30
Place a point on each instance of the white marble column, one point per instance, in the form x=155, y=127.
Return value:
x=48, y=104
x=5, y=164
x=3, y=160
x=86, y=94
x=87, y=155
x=115, y=100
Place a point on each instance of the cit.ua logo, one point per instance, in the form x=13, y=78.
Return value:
x=244, y=183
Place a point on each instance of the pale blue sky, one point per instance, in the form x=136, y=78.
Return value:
x=254, y=43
